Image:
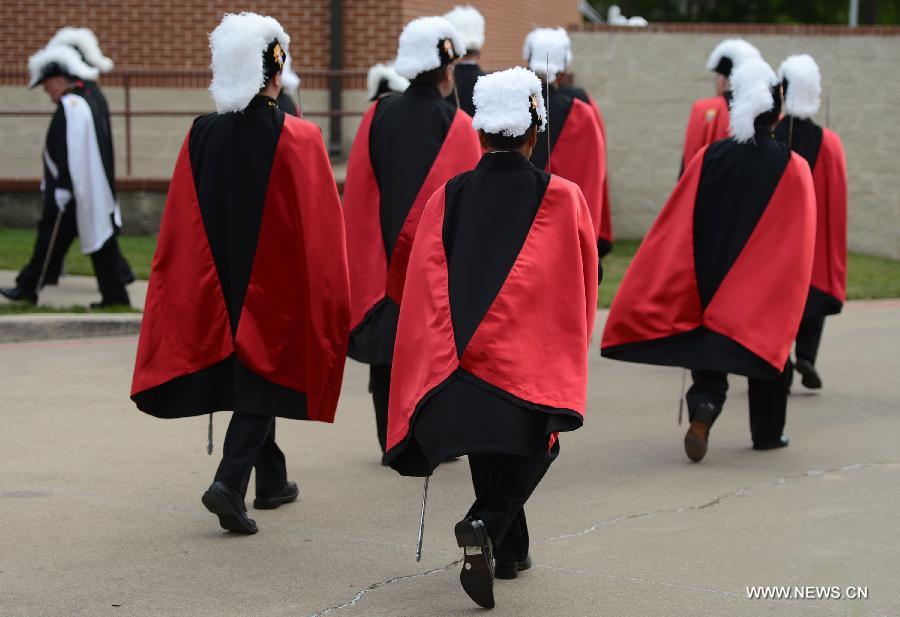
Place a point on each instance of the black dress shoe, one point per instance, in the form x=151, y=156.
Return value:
x=477, y=574
x=782, y=442
x=103, y=305
x=510, y=569
x=287, y=494
x=18, y=294
x=810, y=377
x=228, y=505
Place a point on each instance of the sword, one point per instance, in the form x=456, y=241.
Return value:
x=547, y=109
x=53, y=234
x=681, y=398
x=422, y=521
x=209, y=439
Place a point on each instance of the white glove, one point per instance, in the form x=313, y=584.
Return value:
x=63, y=197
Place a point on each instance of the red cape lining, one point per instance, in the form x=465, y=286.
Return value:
x=830, y=180
x=579, y=155
x=528, y=344
x=370, y=280
x=759, y=302
x=707, y=123
x=294, y=324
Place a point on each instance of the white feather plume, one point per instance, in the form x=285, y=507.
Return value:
x=417, y=51
x=470, y=25
x=290, y=81
x=542, y=44
x=736, y=50
x=751, y=87
x=503, y=102
x=66, y=57
x=237, y=46
x=379, y=72
x=804, y=91
x=85, y=42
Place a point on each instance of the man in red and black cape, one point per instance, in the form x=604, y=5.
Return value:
x=719, y=283
x=576, y=150
x=502, y=366
x=407, y=146
x=469, y=23
x=822, y=149
x=708, y=121
x=248, y=304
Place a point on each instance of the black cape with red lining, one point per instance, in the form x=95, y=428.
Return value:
x=824, y=152
x=577, y=152
x=720, y=280
x=248, y=304
x=605, y=244
x=465, y=74
x=406, y=147
x=502, y=366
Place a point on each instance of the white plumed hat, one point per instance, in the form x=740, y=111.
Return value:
x=729, y=54
x=548, y=51
x=238, y=44
x=85, y=43
x=384, y=73
x=469, y=23
x=751, y=87
x=504, y=102
x=425, y=44
x=803, y=87
x=58, y=60
x=290, y=81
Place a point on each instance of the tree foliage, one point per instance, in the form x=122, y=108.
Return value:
x=757, y=11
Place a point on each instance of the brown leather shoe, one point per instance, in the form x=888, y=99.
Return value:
x=696, y=440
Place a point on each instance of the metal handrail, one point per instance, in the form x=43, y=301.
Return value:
x=311, y=78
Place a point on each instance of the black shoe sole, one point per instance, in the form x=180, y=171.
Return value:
x=229, y=519
x=271, y=503
x=476, y=576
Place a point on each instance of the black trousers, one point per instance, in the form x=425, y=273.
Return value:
x=503, y=483
x=68, y=231
x=107, y=269
x=249, y=443
x=767, y=400
x=809, y=336
x=380, y=387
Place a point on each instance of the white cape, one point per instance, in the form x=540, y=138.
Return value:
x=94, y=199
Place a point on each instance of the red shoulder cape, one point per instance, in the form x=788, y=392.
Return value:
x=579, y=155
x=759, y=302
x=529, y=344
x=606, y=226
x=370, y=278
x=830, y=180
x=295, y=319
x=707, y=123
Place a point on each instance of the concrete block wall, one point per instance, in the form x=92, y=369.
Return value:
x=645, y=82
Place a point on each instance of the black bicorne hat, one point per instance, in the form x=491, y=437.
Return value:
x=273, y=60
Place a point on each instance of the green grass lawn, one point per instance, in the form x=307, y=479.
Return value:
x=20, y=308
x=16, y=246
x=869, y=277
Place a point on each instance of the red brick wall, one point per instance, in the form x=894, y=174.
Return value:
x=159, y=34
x=165, y=34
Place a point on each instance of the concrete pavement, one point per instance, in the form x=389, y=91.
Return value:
x=100, y=508
x=75, y=290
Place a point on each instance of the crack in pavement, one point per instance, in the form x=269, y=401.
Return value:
x=717, y=500
x=359, y=595
x=813, y=473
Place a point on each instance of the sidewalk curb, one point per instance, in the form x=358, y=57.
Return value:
x=14, y=328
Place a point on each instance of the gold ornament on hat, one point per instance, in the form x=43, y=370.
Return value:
x=278, y=54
